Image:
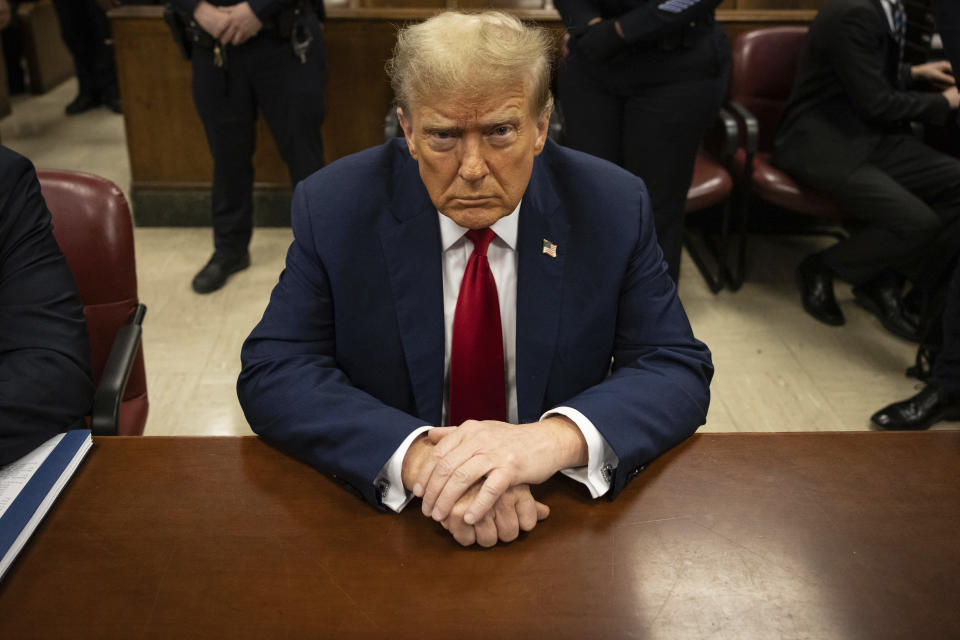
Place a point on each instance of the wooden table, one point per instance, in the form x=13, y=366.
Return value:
x=819, y=535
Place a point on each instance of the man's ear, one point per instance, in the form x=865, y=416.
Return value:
x=543, y=128
x=407, y=127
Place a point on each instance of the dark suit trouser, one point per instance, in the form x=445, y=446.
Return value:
x=261, y=73
x=653, y=134
x=899, y=201
x=946, y=368
x=86, y=32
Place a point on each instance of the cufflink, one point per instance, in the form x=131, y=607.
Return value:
x=607, y=472
x=383, y=486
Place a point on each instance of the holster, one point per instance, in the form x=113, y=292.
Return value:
x=179, y=30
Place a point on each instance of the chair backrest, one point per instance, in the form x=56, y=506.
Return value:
x=764, y=66
x=92, y=225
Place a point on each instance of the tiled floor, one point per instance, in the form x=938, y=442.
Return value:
x=777, y=368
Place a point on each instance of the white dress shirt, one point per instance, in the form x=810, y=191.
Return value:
x=502, y=256
x=888, y=9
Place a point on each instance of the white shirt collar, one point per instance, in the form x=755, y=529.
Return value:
x=505, y=228
x=888, y=6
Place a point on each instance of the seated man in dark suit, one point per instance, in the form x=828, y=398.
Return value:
x=940, y=398
x=477, y=275
x=846, y=133
x=45, y=384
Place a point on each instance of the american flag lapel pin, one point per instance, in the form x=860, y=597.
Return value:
x=549, y=248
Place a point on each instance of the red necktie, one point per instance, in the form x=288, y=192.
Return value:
x=477, y=388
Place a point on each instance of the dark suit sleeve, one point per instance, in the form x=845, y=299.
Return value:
x=262, y=8
x=45, y=385
x=858, y=51
x=185, y=7
x=659, y=390
x=577, y=13
x=947, y=14
x=646, y=23
x=291, y=389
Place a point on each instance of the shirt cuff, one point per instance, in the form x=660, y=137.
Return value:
x=601, y=460
x=390, y=478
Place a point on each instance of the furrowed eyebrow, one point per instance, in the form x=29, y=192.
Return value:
x=442, y=129
x=500, y=122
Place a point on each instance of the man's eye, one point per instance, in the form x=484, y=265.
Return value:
x=502, y=131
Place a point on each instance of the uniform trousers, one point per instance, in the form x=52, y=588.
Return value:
x=263, y=74
x=653, y=131
x=901, y=201
x=86, y=32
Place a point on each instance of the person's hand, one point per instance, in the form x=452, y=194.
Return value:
x=515, y=511
x=242, y=24
x=937, y=73
x=211, y=19
x=953, y=97
x=600, y=40
x=4, y=14
x=506, y=455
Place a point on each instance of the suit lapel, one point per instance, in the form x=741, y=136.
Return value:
x=539, y=290
x=410, y=239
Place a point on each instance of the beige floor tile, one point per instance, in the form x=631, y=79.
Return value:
x=774, y=400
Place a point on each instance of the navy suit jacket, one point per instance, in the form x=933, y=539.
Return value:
x=45, y=384
x=349, y=356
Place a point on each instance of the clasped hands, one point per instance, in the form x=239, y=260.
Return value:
x=475, y=479
x=234, y=24
x=939, y=74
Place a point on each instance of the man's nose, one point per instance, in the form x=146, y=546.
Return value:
x=473, y=165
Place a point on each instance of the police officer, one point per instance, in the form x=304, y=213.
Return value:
x=266, y=54
x=86, y=32
x=642, y=81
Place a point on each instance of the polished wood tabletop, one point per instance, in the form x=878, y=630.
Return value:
x=799, y=535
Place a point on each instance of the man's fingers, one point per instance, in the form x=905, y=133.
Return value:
x=451, y=479
x=426, y=469
x=507, y=521
x=542, y=511
x=437, y=433
x=445, y=460
x=464, y=534
x=527, y=513
x=486, y=532
x=493, y=487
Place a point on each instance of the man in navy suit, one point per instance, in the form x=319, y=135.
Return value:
x=45, y=384
x=382, y=324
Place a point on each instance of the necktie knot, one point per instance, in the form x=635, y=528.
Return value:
x=481, y=239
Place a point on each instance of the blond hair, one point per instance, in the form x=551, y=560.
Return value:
x=469, y=55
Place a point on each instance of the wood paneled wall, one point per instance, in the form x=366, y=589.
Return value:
x=165, y=138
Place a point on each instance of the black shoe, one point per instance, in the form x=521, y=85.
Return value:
x=885, y=302
x=214, y=275
x=113, y=104
x=815, y=281
x=919, y=412
x=83, y=102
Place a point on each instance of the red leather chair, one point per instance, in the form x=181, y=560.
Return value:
x=92, y=225
x=764, y=65
x=710, y=188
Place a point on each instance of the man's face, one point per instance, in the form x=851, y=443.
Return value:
x=475, y=156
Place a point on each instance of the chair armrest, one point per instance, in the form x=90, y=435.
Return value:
x=116, y=373
x=749, y=127
x=723, y=138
